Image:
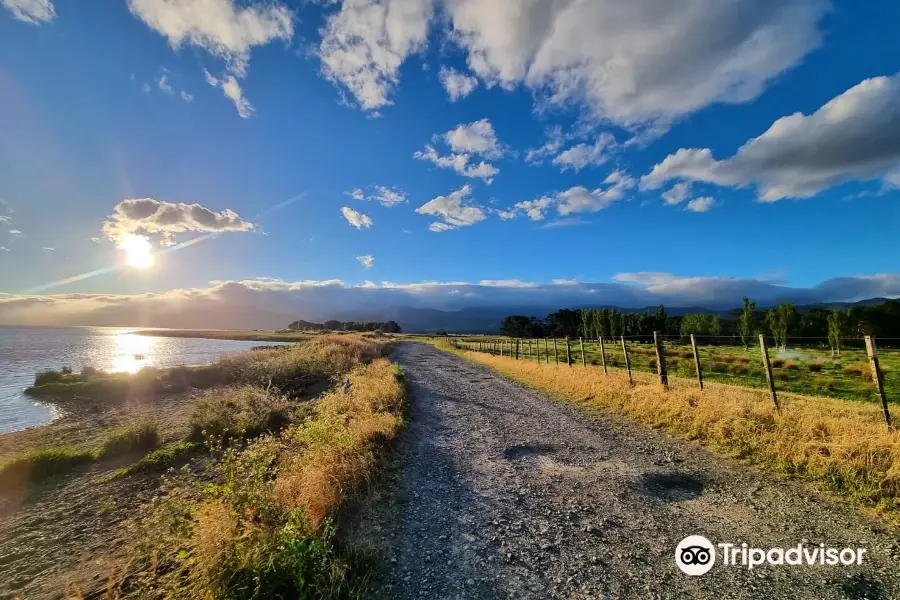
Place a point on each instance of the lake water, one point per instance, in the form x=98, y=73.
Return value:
x=26, y=350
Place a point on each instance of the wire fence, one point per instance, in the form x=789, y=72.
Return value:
x=801, y=365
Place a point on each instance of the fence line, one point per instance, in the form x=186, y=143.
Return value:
x=515, y=349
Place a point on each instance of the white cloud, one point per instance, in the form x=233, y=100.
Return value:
x=366, y=260
x=163, y=84
x=232, y=90
x=48, y=248
x=365, y=43
x=459, y=163
x=149, y=216
x=4, y=249
x=145, y=87
x=15, y=233
x=702, y=204
x=386, y=196
x=5, y=219
x=31, y=11
x=224, y=28
x=467, y=141
x=536, y=210
x=580, y=200
x=477, y=137
x=637, y=62
x=855, y=136
x=458, y=85
x=186, y=96
x=453, y=210
x=678, y=194
x=355, y=218
x=555, y=141
x=586, y=155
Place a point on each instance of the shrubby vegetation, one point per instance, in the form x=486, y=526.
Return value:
x=385, y=327
x=781, y=322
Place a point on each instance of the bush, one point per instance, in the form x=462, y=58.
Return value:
x=136, y=438
x=159, y=459
x=35, y=465
x=791, y=365
x=778, y=363
x=860, y=369
x=91, y=373
x=51, y=376
x=238, y=413
x=739, y=369
x=815, y=365
x=718, y=367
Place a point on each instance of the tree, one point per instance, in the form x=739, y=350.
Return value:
x=774, y=324
x=519, y=326
x=745, y=321
x=787, y=316
x=661, y=318
x=564, y=323
x=699, y=324
x=837, y=323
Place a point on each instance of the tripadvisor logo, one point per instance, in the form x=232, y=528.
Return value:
x=696, y=555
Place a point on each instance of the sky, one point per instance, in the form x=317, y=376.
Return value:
x=445, y=153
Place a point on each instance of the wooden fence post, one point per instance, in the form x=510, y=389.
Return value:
x=546, y=352
x=568, y=353
x=517, y=348
x=556, y=352
x=627, y=362
x=768, y=368
x=697, y=362
x=877, y=378
x=661, y=360
x=581, y=341
x=603, y=356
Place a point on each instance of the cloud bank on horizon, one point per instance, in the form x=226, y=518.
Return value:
x=263, y=302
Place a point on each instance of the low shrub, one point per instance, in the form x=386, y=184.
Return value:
x=859, y=369
x=739, y=369
x=64, y=375
x=718, y=367
x=815, y=365
x=135, y=438
x=791, y=365
x=778, y=363
x=159, y=459
x=239, y=412
x=91, y=373
x=35, y=465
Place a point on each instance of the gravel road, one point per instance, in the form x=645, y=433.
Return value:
x=500, y=492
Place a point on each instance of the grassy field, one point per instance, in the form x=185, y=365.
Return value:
x=842, y=446
x=803, y=369
x=271, y=444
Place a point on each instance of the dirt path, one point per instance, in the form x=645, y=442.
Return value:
x=503, y=493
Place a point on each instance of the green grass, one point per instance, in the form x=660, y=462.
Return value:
x=807, y=370
x=126, y=440
x=159, y=459
x=35, y=465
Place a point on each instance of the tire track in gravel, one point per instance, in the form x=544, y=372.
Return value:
x=500, y=492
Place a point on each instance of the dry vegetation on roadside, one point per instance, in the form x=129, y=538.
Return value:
x=841, y=445
x=270, y=468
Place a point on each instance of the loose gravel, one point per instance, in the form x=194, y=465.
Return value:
x=500, y=492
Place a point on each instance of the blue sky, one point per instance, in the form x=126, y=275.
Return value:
x=102, y=103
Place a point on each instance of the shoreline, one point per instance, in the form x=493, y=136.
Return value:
x=238, y=335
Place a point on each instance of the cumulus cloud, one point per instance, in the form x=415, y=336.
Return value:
x=556, y=139
x=535, y=210
x=224, y=28
x=365, y=42
x=355, y=218
x=232, y=90
x=186, y=96
x=702, y=204
x=15, y=233
x=31, y=11
x=366, y=260
x=607, y=55
x=162, y=82
x=466, y=142
x=265, y=303
x=577, y=199
x=458, y=85
x=854, y=137
x=386, y=196
x=148, y=216
x=678, y=194
x=586, y=155
x=453, y=210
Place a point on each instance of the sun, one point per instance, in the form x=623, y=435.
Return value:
x=138, y=251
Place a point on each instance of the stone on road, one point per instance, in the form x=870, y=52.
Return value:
x=500, y=492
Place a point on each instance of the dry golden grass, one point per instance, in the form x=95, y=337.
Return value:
x=843, y=446
x=340, y=443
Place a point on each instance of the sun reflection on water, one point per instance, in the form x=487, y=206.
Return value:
x=133, y=352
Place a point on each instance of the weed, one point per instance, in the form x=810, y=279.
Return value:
x=134, y=438
x=35, y=465
x=159, y=459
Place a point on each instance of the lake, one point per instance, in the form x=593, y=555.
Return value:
x=26, y=350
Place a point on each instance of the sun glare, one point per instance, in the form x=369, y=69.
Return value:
x=138, y=251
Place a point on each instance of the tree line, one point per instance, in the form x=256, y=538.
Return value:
x=386, y=327
x=746, y=322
